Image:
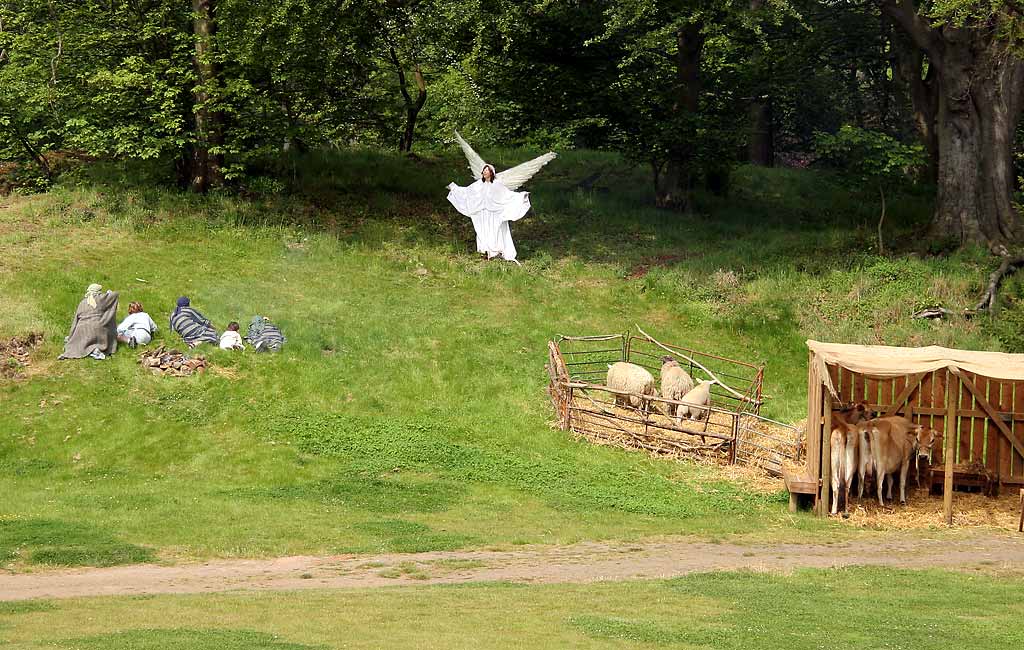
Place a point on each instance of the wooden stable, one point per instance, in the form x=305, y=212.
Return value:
x=979, y=419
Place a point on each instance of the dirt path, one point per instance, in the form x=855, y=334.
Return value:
x=578, y=563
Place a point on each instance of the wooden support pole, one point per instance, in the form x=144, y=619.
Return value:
x=952, y=401
x=735, y=437
x=826, y=455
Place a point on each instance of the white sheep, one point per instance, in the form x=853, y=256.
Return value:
x=698, y=397
x=675, y=383
x=633, y=379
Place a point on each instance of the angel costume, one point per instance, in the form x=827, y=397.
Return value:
x=493, y=204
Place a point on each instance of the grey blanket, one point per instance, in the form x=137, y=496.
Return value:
x=94, y=328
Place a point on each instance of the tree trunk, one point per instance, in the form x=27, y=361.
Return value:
x=761, y=147
x=913, y=75
x=676, y=183
x=412, y=107
x=978, y=81
x=979, y=108
x=205, y=159
x=35, y=154
x=761, y=143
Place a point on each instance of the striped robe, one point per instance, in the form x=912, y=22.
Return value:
x=193, y=327
x=264, y=335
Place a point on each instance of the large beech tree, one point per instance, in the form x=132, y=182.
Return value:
x=968, y=84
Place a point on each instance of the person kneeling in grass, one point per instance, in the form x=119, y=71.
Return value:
x=137, y=328
x=192, y=326
x=93, y=331
x=231, y=339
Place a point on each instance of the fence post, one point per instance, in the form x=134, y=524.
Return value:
x=735, y=438
x=826, y=456
x=568, y=410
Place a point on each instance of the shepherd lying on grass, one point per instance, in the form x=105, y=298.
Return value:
x=192, y=326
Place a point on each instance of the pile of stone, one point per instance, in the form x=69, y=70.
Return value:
x=15, y=352
x=162, y=361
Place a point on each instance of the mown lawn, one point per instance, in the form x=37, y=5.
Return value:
x=812, y=610
x=408, y=412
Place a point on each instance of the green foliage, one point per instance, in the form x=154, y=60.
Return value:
x=1006, y=21
x=869, y=156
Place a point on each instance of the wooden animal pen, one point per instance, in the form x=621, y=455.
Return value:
x=732, y=431
x=974, y=401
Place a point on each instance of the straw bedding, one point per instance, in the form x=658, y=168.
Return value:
x=970, y=510
x=602, y=422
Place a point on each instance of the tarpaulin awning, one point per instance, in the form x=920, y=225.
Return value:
x=886, y=361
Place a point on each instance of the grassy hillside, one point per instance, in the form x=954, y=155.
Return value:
x=408, y=411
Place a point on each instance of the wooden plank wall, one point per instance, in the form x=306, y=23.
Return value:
x=978, y=438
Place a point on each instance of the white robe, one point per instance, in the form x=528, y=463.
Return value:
x=231, y=340
x=491, y=206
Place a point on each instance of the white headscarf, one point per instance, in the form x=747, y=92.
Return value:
x=91, y=292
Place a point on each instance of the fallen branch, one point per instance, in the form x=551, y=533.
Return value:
x=742, y=398
x=1008, y=266
x=933, y=312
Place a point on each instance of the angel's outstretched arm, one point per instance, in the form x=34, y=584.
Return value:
x=514, y=178
x=476, y=163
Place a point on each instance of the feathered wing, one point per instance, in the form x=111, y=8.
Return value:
x=476, y=163
x=515, y=177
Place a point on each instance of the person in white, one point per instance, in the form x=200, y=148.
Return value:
x=137, y=328
x=492, y=201
x=231, y=339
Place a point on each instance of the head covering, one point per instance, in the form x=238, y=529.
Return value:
x=91, y=292
x=182, y=302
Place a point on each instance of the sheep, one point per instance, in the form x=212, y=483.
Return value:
x=698, y=397
x=695, y=399
x=631, y=378
x=675, y=383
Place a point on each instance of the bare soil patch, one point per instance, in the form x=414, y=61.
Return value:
x=577, y=563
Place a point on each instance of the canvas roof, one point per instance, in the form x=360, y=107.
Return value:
x=887, y=361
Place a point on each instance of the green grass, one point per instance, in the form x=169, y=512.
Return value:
x=812, y=610
x=408, y=412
